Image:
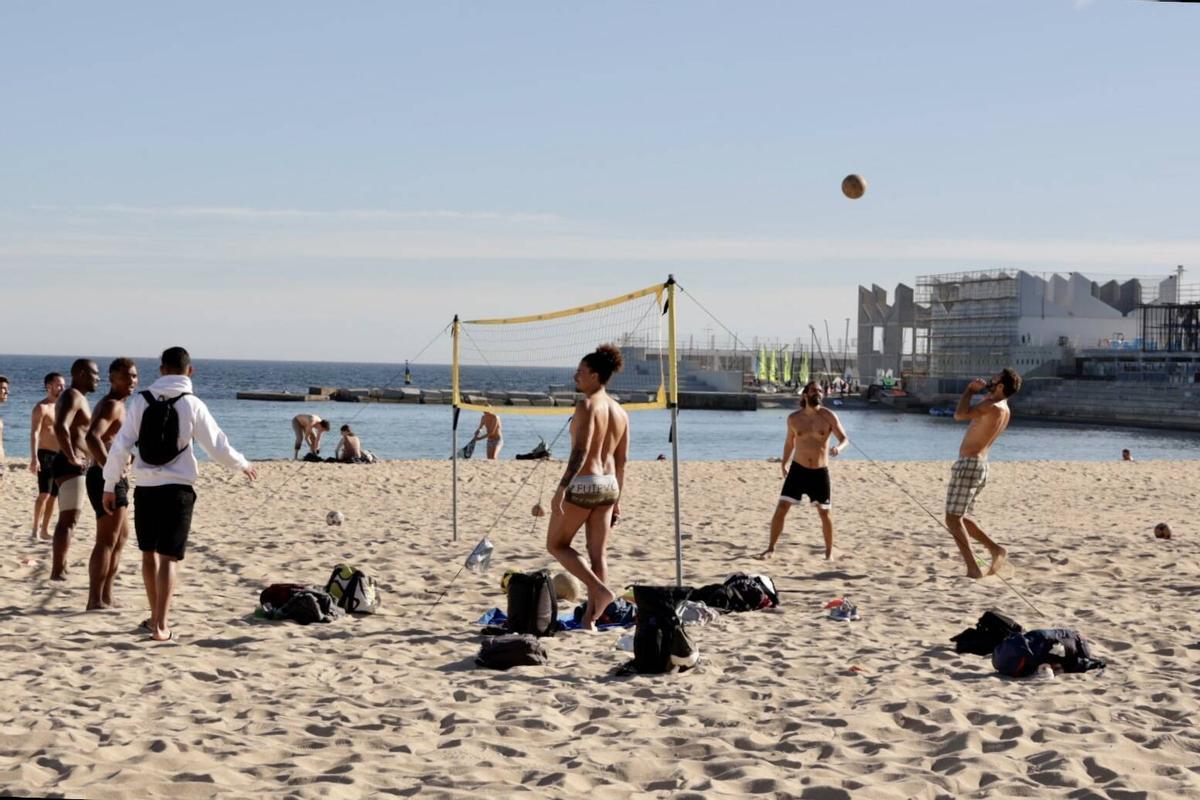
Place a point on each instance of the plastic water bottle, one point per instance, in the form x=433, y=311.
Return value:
x=1045, y=672
x=481, y=557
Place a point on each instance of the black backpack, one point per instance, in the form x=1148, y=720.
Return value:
x=991, y=629
x=532, y=604
x=158, y=436
x=660, y=642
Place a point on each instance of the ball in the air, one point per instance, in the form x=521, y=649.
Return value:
x=854, y=186
x=1162, y=531
x=538, y=511
x=334, y=518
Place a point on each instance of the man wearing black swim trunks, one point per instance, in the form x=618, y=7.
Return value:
x=72, y=416
x=43, y=446
x=111, y=529
x=805, y=464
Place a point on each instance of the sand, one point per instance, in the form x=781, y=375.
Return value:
x=393, y=704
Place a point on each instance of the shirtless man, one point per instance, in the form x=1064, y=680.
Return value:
x=111, y=529
x=968, y=476
x=349, y=449
x=308, y=428
x=43, y=446
x=72, y=416
x=590, y=489
x=805, y=464
x=490, y=429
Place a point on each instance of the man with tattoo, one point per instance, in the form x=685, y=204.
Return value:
x=72, y=416
x=590, y=490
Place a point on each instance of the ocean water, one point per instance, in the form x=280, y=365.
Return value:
x=262, y=430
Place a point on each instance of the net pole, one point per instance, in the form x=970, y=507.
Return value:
x=454, y=388
x=674, y=403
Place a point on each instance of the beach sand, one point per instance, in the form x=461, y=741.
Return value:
x=392, y=704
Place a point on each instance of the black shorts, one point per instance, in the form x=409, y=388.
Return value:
x=162, y=518
x=62, y=469
x=46, y=484
x=95, y=490
x=806, y=481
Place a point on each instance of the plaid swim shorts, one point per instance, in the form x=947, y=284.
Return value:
x=968, y=476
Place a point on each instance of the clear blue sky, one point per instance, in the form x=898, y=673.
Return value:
x=307, y=180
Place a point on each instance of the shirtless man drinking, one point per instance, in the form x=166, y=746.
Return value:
x=72, y=416
x=111, y=529
x=968, y=476
x=491, y=429
x=308, y=428
x=805, y=464
x=43, y=446
x=590, y=490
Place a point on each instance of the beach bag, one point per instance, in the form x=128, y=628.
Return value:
x=158, y=436
x=532, y=603
x=1021, y=654
x=991, y=629
x=511, y=650
x=276, y=595
x=619, y=612
x=353, y=590
x=660, y=643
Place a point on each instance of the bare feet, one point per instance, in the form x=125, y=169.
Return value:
x=162, y=635
x=62, y=576
x=596, y=607
x=45, y=536
x=767, y=554
x=999, y=559
x=974, y=572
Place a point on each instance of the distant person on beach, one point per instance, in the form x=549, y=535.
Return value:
x=968, y=476
x=3, y=399
x=72, y=416
x=1126, y=455
x=308, y=428
x=490, y=428
x=349, y=449
x=112, y=529
x=164, y=497
x=805, y=464
x=590, y=490
x=43, y=446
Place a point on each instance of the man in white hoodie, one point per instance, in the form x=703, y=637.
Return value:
x=164, y=497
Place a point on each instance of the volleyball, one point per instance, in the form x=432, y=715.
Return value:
x=538, y=511
x=854, y=186
x=1162, y=531
x=334, y=518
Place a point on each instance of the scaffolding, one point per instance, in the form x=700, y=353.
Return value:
x=1170, y=327
x=973, y=318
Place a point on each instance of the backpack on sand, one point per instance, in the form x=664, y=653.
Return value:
x=659, y=642
x=353, y=590
x=511, y=650
x=532, y=604
x=991, y=629
x=158, y=435
x=298, y=603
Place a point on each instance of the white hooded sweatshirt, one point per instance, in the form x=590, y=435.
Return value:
x=195, y=423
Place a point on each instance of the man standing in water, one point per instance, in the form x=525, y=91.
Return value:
x=43, y=446
x=111, y=529
x=590, y=490
x=72, y=416
x=968, y=476
x=805, y=464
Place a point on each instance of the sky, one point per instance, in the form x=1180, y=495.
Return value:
x=295, y=180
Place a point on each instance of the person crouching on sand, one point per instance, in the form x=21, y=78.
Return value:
x=590, y=490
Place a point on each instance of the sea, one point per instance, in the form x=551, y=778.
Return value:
x=262, y=430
